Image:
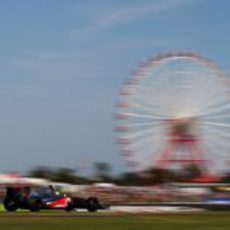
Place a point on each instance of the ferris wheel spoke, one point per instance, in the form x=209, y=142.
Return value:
x=211, y=101
x=143, y=98
x=142, y=151
x=217, y=124
x=149, y=110
x=217, y=94
x=138, y=115
x=146, y=106
x=211, y=105
x=214, y=99
x=161, y=107
x=201, y=88
x=139, y=134
x=218, y=142
x=142, y=124
x=133, y=127
x=216, y=131
x=218, y=116
x=216, y=110
x=208, y=102
x=212, y=151
x=150, y=141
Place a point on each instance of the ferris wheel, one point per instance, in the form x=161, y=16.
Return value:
x=175, y=111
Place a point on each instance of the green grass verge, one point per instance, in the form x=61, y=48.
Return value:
x=2, y=209
x=61, y=220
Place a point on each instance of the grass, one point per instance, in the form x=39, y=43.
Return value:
x=1, y=208
x=84, y=221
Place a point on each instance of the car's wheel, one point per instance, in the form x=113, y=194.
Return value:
x=35, y=205
x=93, y=204
x=10, y=205
x=70, y=207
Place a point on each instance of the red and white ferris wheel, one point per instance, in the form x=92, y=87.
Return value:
x=175, y=111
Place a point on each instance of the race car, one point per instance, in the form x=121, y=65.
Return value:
x=46, y=198
x=218, y=203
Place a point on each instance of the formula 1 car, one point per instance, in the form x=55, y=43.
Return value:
x=46, y=198
x=221, y=203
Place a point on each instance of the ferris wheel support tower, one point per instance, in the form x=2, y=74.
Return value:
x=183, y=147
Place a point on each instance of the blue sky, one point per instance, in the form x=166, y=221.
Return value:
x=62, y=63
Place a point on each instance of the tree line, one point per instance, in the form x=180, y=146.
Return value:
x=103, y=174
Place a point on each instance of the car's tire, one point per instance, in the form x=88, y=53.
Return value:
x=35, y=205
x=70, y=207
x=10, y=205
x=93, y=204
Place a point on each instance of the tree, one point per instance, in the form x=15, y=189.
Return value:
x=64, y=175
x=129, y=179
x=192, y=171
x=102, y=171
x=42, y=172
x=159, y=176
